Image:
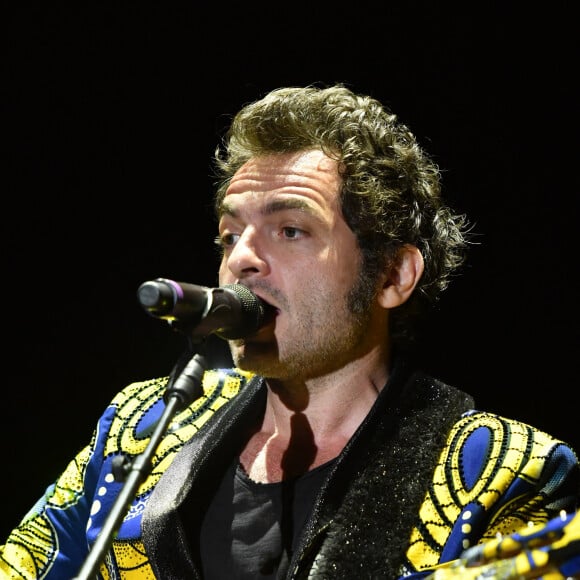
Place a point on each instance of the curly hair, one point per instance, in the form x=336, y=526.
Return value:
x=391, y=190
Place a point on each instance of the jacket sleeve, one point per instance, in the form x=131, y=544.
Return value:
x=51, y=542
x=45, y=545
x=494, y=477
x=548, y=550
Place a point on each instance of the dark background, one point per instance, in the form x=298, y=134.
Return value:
x=111, y=112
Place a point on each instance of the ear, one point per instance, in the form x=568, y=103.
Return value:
x=401, y=277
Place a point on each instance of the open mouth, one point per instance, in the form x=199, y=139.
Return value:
x=270, y=313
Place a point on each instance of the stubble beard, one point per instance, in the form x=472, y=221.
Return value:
x=327, y=337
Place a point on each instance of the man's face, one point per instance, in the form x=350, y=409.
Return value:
x=283, y=236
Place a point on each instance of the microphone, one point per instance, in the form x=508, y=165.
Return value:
x=231, y=311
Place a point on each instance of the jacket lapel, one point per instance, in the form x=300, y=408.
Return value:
x=192, y=476
x=363, y=518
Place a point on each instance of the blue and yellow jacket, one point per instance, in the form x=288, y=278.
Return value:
x=424, y=478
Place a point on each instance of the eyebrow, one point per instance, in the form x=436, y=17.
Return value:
x=277, y=205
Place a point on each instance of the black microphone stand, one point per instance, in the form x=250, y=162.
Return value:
x=183, y=387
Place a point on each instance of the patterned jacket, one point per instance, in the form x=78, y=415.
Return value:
x=422, y=479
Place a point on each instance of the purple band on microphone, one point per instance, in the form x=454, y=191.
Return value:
x=178, y=289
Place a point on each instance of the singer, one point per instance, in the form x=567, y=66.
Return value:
x=325, y=452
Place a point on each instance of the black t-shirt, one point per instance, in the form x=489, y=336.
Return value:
x=250, y=530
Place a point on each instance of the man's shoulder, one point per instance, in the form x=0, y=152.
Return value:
x=228, y=381
x=499, y=436
x=481, y=418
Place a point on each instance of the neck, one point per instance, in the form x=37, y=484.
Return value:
x=308, y=422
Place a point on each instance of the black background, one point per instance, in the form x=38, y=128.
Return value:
x=111, y=111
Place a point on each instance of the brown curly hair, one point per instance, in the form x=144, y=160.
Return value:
x=391, y=192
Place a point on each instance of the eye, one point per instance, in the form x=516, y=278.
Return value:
x=292, y=233
x=226, y=240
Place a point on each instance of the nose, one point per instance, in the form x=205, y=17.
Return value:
x=246, y=258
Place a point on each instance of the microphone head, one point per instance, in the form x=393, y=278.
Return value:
x=231, y=311
x=251, y=316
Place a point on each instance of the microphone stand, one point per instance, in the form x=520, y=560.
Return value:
x=183, y=387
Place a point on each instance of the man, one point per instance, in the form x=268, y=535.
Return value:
x=324, y=453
